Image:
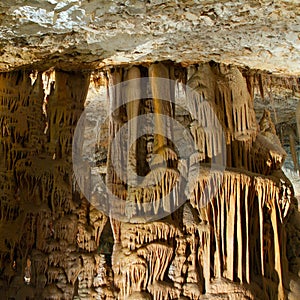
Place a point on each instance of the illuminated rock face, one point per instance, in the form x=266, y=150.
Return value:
x=238, y=240
x=70, y=33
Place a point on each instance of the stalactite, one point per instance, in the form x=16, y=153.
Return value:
x=247, y=263
x=230, y=231
x=131, y=273
x=133, y=91
x=278, y=252
x=152, y=194
x=98, y=220
x=236, y=186
x=145, y=233
x=160, y=95
x=231, y=209
x=115, y=79
x=158, y=256
x=43, y=178
x=293, y=151
x=163, y=291
x=260, y=195
x=204, y=253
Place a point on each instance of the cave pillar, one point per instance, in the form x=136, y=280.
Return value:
x=133, y=93
x=161, y=102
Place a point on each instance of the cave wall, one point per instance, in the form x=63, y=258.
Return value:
x=228, y=241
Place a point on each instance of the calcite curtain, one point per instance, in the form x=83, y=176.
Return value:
x=231, y=239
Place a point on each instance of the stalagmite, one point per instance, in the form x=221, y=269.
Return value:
x=176, y=270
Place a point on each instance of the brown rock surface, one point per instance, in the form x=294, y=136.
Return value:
x=227, y=222
x=236, y=235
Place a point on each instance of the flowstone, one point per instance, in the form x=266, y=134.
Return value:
x=235, y=236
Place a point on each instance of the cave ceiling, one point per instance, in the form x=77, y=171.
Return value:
x=74, y=34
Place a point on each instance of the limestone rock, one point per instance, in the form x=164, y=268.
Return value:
x=70, y=34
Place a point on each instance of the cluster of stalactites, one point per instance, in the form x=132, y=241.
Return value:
x=225, y=89
x=224, y=129
x=38, y=116
x=142, y=260
x=142, y=156
x=229, y=214
x=245, y=212
x=210, y=239
x=267, y=85
x=222, y=100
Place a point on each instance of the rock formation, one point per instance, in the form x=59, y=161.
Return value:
x=72, y=34
x=229, y=225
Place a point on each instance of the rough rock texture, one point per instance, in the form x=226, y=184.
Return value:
x=70, y=33
x=280, y=95
x=240, y=241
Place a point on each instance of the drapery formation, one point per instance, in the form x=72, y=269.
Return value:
x=224, y=200
x=232, y=226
